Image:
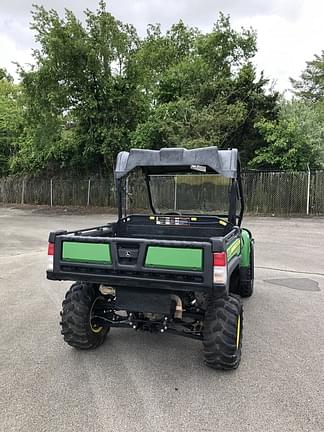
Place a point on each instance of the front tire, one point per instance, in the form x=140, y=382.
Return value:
x=222, y=333
x=77, y=329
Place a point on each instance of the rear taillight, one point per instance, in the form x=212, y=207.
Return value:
x=219, y=259
x=50, y=253
x=50, y=249
x=220, y=268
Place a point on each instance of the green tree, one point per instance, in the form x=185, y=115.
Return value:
x=10, y=120
x=82, y=96
x=311, y=84
x=296, y=140
x=203, y=89
x=4, y=75
x=96, y=88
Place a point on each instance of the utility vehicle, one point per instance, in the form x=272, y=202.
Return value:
x=180, y=267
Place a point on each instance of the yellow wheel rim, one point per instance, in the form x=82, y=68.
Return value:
x=94, y=329
x=238, y=331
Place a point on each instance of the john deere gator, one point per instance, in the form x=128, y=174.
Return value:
x=180, y=266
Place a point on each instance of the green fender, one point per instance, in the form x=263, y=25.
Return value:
x=245, y=248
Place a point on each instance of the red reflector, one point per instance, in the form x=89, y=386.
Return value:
x=219, y=259
x=50, y=250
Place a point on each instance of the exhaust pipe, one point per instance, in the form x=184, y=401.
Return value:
x=107, y=290
x=179, y=310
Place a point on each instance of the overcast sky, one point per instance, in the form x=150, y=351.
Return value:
x=289, y=32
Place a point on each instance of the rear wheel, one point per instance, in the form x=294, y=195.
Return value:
x=222, y=333
x=78, y=308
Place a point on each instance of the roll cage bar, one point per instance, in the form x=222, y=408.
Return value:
x=179, y=160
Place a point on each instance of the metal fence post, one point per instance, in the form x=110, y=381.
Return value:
x=89, y=187
x=308, y=190
x=23, y=191
x=51, y=192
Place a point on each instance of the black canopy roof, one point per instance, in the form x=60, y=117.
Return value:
x=167, y=160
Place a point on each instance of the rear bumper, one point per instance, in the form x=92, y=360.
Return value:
x=147, y=282
x=117, y=280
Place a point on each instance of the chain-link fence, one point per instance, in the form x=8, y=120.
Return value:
x=266, y=193
x=277, y=192
x=57, y=191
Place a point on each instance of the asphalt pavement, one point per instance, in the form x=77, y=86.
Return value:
x=158, y=383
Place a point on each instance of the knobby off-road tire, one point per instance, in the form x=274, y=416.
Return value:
x=246, y=286
x=222, y=333
x=76, y=310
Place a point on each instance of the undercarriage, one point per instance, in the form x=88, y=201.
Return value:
x=185, y=317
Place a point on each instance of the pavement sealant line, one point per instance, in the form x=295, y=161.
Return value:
x=289, y=271
x=297, y=283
